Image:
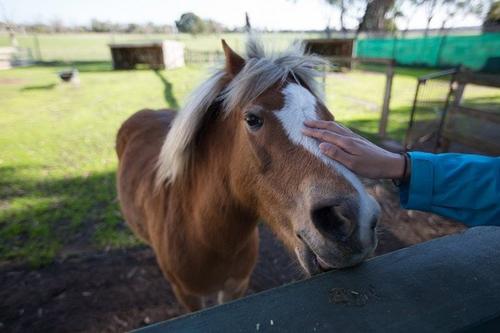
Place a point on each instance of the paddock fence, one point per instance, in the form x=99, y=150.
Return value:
x=447, y=116
x=203, y=57
x=432, y=96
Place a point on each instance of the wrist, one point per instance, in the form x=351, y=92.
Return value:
x=404, y=175
x=396, y=167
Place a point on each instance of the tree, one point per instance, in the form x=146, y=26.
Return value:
x=462, y=8
x=346, y=8
x=10, y=27
x=451, y=8
x=374, y=13
x=374, y=18
x=190, y=23
x=57, y=25
x=100, y=26
x=341, y=4
x=211, y=26
x=492, y=19
x=411, y=7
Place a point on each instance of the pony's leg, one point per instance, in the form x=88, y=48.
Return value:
x=233, y=289
x=189, y=301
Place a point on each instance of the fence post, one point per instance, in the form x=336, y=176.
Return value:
x=412, y=115
x=387, y=100
x=325, y=69
x=439, y=141
x=37, y=48
x=443, y=144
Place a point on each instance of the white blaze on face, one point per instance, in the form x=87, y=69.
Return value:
x=300, y=105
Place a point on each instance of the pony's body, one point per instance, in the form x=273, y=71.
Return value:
x=194, y=185
x=166, y=217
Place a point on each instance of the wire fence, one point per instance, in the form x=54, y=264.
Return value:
x=455, y=110
x=430, y=102
x=203, y=57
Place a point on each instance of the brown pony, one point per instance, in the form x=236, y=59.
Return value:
x=194, y=184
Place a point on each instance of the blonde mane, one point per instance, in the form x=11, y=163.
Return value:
x=260, y=72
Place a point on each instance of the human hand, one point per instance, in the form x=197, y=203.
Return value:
x=355, y=152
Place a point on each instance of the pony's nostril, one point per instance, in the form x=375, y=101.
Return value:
x=331, y=222
x=374, y=222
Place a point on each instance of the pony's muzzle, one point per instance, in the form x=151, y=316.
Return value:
x=337, y=221
x=341, y=235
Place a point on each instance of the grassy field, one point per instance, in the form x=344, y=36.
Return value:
x=81, y=47
x=57, y=160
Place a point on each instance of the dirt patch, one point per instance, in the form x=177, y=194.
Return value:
x=111, y=292
x=12, y=81
x=122, y=290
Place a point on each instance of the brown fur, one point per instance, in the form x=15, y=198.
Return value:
x=203, y=224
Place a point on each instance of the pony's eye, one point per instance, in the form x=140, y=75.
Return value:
x=253, y=121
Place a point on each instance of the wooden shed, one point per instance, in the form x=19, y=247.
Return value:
x=156, y=54
x=14, y=56
x=329, y=47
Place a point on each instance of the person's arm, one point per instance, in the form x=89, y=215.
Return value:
x=459, y=186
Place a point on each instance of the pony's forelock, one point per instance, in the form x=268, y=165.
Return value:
x=261, y=71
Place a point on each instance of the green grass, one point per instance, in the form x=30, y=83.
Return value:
x=57, y=160
x=57, y=166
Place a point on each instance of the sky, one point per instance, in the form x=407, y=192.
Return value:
x=264, y=14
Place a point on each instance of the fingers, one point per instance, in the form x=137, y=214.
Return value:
x=337, y=154
x=328, y=137
x=329, y=125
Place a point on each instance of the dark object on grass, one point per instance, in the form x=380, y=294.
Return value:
x=70, y=75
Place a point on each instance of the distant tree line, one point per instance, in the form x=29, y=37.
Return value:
x=106, y=26
x=188, y=23
x=57, y=26
x=371, y=15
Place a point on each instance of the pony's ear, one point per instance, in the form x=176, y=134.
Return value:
x=234, y=62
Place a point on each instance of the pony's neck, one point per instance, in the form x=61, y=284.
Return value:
x=216, y=217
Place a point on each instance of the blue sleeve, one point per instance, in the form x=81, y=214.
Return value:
x=462, y=187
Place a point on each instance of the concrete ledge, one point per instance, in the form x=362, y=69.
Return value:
x=444, y=285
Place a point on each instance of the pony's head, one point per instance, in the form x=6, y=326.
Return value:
x=316, y=206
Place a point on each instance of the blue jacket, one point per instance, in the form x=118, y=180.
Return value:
x=463, y=187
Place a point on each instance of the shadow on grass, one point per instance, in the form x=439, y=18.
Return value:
x=486, y=103
x=90, y=66
x=167, y=91
x=39, y=87
x=82, y=66
x=40, y=217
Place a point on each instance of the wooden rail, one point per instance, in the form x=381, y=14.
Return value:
x=448, y=134
x=436, y=75
x=449, y=284
x=389, y=74
x=480, y=114
x=489, y=80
